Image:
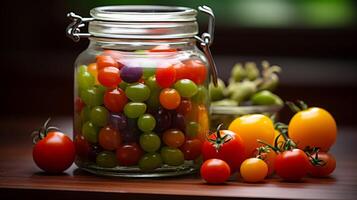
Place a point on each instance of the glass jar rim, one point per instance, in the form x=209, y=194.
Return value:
x=144, y=13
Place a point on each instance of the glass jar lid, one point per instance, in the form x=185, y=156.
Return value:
x=144, y=13
x=143, y=22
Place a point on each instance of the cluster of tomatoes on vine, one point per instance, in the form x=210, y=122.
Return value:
x=298, y=149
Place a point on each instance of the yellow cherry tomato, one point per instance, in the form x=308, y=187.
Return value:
x=252, y=128
x=253, y=170
x=313, y=127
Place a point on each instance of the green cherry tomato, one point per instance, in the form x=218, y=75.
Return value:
x=93, y=96
x=201, y=96
x=90, y=132
x=150, y=161
x=106, y=159
x=266, y=97
x=137, y=92
x=186, y=87
x=99, y=116
x=192, y=129
x=146, y=122
x=150, y=142
x=134, y=109
x=172, y=156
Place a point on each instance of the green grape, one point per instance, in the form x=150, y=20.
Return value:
x=106, y=159
x=85, y=80
x=192, y=128
x=82, y=68
x=238, y=73
x=149, y=68
x=150, y=161
x=186, y=87
x=146, y=122
x=90, y=132
x=123, y=85
x=99, y=116
x=134, y=109
x=137, y=92
x=266, y=97
x=217, y=93
x=172, y=156
x=252, y=71
x=85, y=114
x=152, y=84
x=201, y=95
x=92, y=96
x=154, y=102
x=150, y=142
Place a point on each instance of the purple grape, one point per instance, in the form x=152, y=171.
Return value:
x=178, y=121
x=118, y=121
x=163, y=120
x=93, y=152
x=131, y=133
x=131, y=74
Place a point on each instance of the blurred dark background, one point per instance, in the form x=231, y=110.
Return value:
x=314, y=41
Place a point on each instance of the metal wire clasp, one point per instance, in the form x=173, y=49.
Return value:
x=73, y=29
x=206, y=41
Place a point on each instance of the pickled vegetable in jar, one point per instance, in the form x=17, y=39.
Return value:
x=141, y=104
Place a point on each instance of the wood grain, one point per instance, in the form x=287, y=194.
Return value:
x=19, y=177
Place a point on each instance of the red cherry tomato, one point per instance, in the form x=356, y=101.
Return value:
x=54, y=153
x=182, y=71
x=129, y=154
x=215, y=171
x=82, y=146
x=292, y=165
x=231, y=150
x=115, y=100
x=191, y=149
x=109, y=77
x=184, y=107
x=327, y=166
x=170, y=98
x=78, y=105
x=197, y=69
x=163, y=48
x=109, y=138
x=106, y=61
x=165, y=76
x=116, y=55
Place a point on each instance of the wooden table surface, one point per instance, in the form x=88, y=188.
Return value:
x=19, y=177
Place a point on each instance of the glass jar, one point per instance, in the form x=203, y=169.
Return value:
x=141, y=101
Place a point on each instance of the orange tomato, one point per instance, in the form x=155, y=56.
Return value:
x=252, y=128
x=170, y=98
x=173, y=138
x=92, y=69
x=313, y=127
x=203, y=120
